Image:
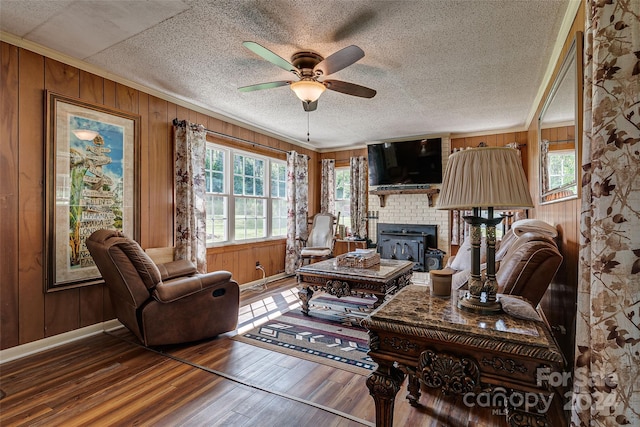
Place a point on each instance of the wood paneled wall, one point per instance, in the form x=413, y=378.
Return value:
x=559, y=303
x=27, y=313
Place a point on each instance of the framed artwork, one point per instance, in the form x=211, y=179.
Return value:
x=91, y=183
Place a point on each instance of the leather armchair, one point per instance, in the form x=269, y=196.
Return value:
x=163, y=304
x=526, y=269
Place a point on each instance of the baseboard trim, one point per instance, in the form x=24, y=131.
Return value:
x=13, y=353
x=259, y=282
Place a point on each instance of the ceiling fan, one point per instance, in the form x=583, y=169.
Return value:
x=309, y=67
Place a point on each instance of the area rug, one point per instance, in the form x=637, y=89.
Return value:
x=330, y=335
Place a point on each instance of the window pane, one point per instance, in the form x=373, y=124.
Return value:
x=207, y=181
x=217, y=161
x=215, y=200
x=344, y=207
x=248, y=186
x=240, y=206
x=237, y=185
x=259, y=188
x=238, y=164
x=343, y=183
x=240, y=229
x=250, y=216
x=250, y=210
x=219, y=207
x=216, y=212
x=279, y=218
x=249, y=166
x=251, y=228
x=217, y=182
x=343, y=195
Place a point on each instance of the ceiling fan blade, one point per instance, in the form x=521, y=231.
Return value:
x=269, y=56
x=349, y=88
x=261, y=86
x=339, y=60
x=310, y=106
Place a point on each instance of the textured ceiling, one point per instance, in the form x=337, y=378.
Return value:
x=439, y=66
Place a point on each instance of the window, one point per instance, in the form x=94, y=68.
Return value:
x=217, y=200
x=278, y=199
x=562, y=168
x=343, y=195
x=246, y=196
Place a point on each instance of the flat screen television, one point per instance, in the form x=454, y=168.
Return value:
x=408, y=163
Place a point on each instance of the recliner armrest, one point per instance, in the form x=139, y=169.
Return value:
x=179, y=268
x=181, y=287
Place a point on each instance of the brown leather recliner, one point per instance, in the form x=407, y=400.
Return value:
x=528, y=267
x=163, y=304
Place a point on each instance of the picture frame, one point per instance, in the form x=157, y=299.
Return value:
x=92, y=182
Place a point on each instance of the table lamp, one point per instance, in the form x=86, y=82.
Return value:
x=483, y=178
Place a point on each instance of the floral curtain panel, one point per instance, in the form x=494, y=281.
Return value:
x=359, y=200
x=327, y=186
x=298, y=207
x=606, y=376
x=190, y=145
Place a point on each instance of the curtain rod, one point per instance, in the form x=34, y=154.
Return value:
x=177, y=122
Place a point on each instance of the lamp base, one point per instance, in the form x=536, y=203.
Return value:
x=475, y=304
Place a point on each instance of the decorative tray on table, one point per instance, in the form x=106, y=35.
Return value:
x=360, y=258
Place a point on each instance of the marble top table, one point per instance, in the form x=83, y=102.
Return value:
x=459, y=352
x=379, y=280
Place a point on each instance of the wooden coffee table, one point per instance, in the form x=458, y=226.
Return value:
x=379, y=280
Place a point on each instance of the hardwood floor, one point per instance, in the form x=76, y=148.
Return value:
x=110, y=379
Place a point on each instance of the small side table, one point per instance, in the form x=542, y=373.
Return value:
x=439, y=346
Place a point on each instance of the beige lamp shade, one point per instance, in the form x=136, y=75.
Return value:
x=487, y=177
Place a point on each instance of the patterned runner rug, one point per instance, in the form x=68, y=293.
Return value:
x=331, y=335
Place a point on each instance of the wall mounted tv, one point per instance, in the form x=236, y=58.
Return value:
x=405, y=163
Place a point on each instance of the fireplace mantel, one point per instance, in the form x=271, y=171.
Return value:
x=382, y=194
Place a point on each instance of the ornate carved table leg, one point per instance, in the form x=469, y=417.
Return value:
x=379, y=300
x=305, y=293
x=413, y=389
x=383, y=385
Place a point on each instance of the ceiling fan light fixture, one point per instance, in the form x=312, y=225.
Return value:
x=308, y=90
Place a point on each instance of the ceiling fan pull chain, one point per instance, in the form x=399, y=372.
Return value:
x=307, y=126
